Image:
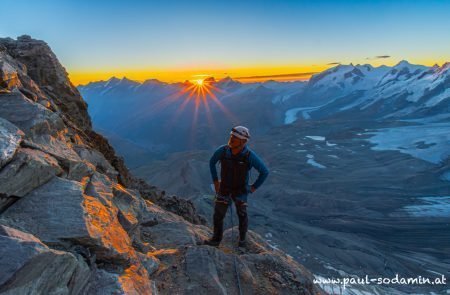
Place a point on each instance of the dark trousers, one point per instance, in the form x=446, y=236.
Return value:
x=220, y=210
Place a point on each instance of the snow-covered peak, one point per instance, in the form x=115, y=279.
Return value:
x=439, y=75
x=404, y=64
x=446, y=65
x=112, y=81
x=329, y=75
x=444, y=69
x=347, y=78
x=364, y=67
x=126, y=81
x=361, y=77
x=403, y=71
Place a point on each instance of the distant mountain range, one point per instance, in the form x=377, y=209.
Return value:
x=403, y=91
x=359, y=159
x=161, y=117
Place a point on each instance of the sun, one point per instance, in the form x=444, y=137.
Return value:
x=200, y=92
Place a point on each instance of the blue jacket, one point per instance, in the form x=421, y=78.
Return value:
x=254, y=162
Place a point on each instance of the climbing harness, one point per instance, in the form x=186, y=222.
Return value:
x=233, y=171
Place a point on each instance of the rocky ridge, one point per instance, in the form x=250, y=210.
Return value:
x=73, y=220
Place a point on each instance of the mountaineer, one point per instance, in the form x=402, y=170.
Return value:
x=236, y=162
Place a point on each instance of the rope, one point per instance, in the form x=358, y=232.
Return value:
x=235, y=265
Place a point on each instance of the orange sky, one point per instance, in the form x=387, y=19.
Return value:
x=252, y=73
x=248, y=74
x=174, y=40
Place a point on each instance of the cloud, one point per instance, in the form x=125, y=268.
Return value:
x=291, y=75
x=379, y=57
x=334, y=63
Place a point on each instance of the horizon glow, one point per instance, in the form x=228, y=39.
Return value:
x=174, y=41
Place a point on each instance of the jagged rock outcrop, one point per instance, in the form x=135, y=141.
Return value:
x=25, y=260
x=73, y=220
x=43, y=68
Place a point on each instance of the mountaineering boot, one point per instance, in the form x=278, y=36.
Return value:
x=212, y=242
x=242, y=241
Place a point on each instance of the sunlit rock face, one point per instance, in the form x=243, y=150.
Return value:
x=73, y=220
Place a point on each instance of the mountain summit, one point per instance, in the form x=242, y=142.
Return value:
x=74, y=221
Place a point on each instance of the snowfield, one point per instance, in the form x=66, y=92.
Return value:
x=291, y=115
x=431, y=207
x=313, y=162
x=430, y=142
x=315, y=137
